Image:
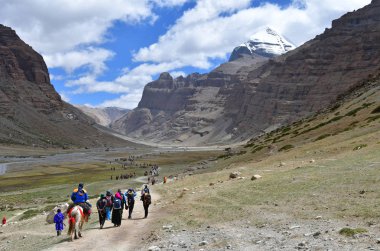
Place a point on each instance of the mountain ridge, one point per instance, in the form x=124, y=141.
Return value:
x=234, y=105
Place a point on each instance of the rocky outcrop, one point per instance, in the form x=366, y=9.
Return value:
x=247, y=96
x=20, y=65
x=31, y=111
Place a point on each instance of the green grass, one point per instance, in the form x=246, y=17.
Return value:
x=350, y=232
x=323, y=137
x=30, y=214
x=285, y=148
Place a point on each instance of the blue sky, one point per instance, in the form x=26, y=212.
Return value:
x=103, y=54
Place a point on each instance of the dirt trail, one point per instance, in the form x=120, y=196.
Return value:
x=125, y=237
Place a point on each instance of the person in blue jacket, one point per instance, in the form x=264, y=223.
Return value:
x=58, y=220
x=80, y=197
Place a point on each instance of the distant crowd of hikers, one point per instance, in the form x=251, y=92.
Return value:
x=110, y=206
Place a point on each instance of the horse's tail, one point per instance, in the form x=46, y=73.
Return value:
x=72, y=222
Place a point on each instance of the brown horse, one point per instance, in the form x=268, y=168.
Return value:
x=147, y=200
x=76, y=221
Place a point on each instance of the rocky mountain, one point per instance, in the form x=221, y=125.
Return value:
x=103, y=116
x=248, y=96
x=266, y=43
x=31, y=111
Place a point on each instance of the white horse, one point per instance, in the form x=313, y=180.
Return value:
x=76, y=220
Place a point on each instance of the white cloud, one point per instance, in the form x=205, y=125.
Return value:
x=89, y=84
x=176, y=74
x=169, y=3
x=64, y=97
x=94, y=58
x=128, y=101
x=61, y=25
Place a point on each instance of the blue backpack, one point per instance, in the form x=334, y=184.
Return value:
x=116, y=203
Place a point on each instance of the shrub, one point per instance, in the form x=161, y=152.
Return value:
x=359, y=147
x=322, y=137
x=377, y=110
x=30, y=214
x=286, y=147
x=350, y=232
x=373, y=118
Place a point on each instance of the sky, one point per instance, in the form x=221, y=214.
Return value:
x=102, y=53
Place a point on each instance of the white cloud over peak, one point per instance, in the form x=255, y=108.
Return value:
x=206, y=32
x=213, y=28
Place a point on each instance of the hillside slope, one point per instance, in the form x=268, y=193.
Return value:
x=318, y=187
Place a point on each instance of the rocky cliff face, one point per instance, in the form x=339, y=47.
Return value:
x=20, y=65
x=247, y=96
x=31, y=111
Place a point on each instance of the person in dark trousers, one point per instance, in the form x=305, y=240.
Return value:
x=147, y=200
x=130, y=195
x=101, y=206
x=117, y=210
x=123, y=200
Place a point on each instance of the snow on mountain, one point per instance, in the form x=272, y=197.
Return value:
x=267, y=43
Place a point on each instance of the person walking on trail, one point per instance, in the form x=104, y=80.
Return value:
x=117, y=210
x=58, y=220
x=101, y=206
x=123, y=200
x=130, y=194
x=147, y=200
x=109, y=199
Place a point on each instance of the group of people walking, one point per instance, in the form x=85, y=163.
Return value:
x=110, y=207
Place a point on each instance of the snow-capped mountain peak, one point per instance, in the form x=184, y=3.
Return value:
x=266, y=43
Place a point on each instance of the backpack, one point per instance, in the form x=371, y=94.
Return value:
x=116, y=203
x=102, y=203
x=148, y=199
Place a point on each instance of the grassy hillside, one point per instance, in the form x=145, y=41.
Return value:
x=323, y=167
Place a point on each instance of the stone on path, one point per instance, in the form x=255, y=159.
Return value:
x=154, y=248
x=234, y=175
x=256, y=176
x=203, y=243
